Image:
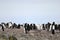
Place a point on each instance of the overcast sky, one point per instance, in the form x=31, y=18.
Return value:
x=30, y=11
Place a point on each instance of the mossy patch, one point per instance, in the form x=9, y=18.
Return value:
x=3, y=37
x=12, y=38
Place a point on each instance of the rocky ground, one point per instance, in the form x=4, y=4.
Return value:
x=32, y=35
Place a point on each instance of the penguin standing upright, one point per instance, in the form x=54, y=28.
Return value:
x=53, y=28
x=2, y=28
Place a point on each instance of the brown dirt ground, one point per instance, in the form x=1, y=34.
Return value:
x=32, y=35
